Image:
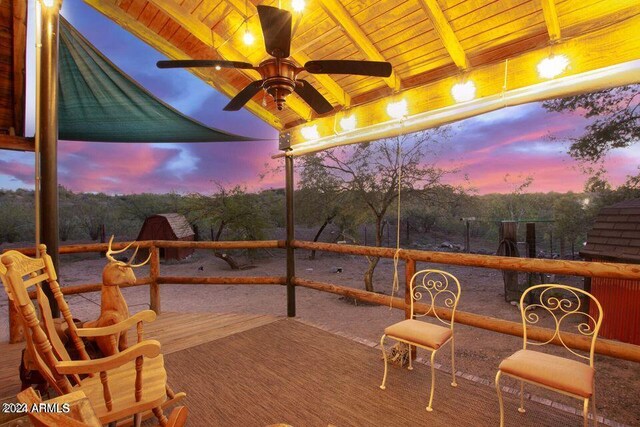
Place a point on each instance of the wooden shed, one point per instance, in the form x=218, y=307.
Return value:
x=615, y=237
x=168, y=226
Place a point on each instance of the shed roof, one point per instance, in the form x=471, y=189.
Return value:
x=616, y=233
x=178, y=224
x=431, y=44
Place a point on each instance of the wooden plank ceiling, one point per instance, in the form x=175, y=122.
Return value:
x=426, y=41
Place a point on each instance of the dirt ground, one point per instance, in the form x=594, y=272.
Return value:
x=478, y=352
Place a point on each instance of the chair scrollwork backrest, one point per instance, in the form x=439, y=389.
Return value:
x=563, y=306
x=435, y=288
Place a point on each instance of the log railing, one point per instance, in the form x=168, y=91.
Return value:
x=576, y=268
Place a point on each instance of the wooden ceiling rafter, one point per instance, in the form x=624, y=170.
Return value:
x=551, y=19
x=446, y=33
x=341, y=16
x=153, y=39
x=225, y=50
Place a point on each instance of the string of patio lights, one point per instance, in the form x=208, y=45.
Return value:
x=463, y=91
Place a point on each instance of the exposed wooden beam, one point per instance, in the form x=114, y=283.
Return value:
x=341, y=16
x=19, y=58
x=551, y=18
x=121, y=18
x=445, y=32
x=298, y=56
x=16, y=143
x=226, y=51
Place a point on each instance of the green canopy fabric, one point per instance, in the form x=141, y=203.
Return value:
x=99, y=102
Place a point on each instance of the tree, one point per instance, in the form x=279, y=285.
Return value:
x=371, y=173
x=570, y=216
x=231, y=211
x=319, y=199
x=615, y=120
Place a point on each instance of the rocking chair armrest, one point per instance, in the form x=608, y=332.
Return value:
x=141, y=316
x=147, y=348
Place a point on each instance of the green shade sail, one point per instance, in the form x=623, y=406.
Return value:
x=99, y=102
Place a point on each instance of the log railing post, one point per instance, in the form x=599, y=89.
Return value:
x=409, y=271
x=154, y=273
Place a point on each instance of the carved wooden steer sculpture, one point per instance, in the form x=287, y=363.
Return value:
x=113, y=307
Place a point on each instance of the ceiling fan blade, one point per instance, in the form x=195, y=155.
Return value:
x=276, y=28
x=244, y=96
x=360, y=68
x=312, y=97
x=189, y=63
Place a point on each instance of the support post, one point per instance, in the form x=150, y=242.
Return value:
x=291, y=268
x=154, y=273
x=409, y=271
x=47, y=134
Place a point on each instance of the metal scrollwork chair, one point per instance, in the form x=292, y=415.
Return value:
x=562, y=305
x=429, y=287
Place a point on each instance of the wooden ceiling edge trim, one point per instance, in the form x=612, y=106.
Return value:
x=613, y=76
x=446, y=33
x=19, y=64
x=589, y=52
x=336, y=11
x=139, y=30
x=551, y=19
x=16, y=143
x=329, y=84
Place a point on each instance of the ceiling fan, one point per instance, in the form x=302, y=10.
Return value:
x=280, y=74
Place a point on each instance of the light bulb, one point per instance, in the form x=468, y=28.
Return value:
x=397, y=110
x=218, y=68
x=464, y=91
x=248, y=38
x=297, y=5
x=310, y=132
x=348, y=123
x=552, y=66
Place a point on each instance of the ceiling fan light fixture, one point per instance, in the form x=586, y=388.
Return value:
x=348, y=123
x=463, y=92
x=298, y=5
x=310, y=132
x=552, y=66
x=397, y=110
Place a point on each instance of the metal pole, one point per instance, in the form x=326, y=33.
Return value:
x=291, y=267
x=47, y=124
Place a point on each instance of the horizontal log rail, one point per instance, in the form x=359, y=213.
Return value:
x=531, y=265
x=102, y=247
x=576, y=268
x=605, y=347
x=246, y=280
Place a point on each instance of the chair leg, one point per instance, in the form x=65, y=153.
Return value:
x=453, y=366
x=162, y=419
x=384, y=356
x=585, y=412
x=433, y=381
x=410, y=367
x=593, y=403
x=137, y=420
x=521, y=408
x=499, y=390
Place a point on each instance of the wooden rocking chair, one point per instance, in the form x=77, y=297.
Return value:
x=136, y=376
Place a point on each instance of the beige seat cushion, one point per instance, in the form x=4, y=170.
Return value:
x=568, y=375
x=421, y=333
x=122, y=385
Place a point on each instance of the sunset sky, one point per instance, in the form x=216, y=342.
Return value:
x=511, y=141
